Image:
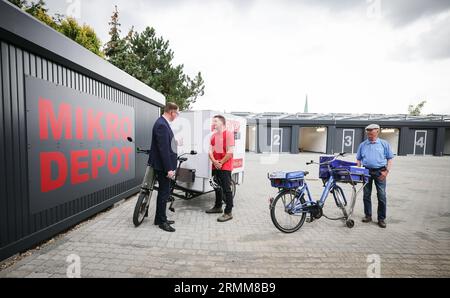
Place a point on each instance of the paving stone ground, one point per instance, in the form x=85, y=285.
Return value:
x=416, y=242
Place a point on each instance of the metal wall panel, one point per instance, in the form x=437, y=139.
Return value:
x=356, y=139
x=430, y=141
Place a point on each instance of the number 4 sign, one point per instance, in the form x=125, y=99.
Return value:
x=420, y=142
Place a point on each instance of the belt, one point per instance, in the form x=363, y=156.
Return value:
x=377, y=169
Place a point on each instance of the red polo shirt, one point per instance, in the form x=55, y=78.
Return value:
x=219, y=143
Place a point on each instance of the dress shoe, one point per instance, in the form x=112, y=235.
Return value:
x=170, y=222
x=166, y=227
x=367, y=219
x=382, y=224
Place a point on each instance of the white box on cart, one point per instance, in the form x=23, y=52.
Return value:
x=193, y=131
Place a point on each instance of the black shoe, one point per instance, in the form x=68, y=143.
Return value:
x=214, y=210
x=367, y=219
x=166, y=227
x=382, y=224
x=170, y=222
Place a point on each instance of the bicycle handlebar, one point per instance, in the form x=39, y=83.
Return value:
x=180, y=157
x=342, y=154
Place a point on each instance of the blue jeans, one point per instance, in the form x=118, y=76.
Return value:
x=381, y=195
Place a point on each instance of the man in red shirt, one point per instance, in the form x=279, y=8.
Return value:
x=221, y=156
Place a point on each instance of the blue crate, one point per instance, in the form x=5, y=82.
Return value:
x=287, y=179
x=353, y=175
x=337, y=164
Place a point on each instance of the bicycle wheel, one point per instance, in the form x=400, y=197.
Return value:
x=233, y=188
x=340, y=200
x=141, y=208
x=281, y=212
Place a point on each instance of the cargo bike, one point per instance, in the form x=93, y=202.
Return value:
x=149, y=184
x=294, y=203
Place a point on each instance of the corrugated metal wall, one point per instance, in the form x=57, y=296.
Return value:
x=16, y=222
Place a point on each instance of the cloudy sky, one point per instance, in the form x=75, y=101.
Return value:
x=355, y=56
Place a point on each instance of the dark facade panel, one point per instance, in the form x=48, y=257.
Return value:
x=279, y=139
x=347, y=139
x=420, y=141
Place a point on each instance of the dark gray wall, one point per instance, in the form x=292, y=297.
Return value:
x=295, y=133
x=338, y=138
x=447, y=142
x=409, y=141
x=286, y=139
x=19, y=229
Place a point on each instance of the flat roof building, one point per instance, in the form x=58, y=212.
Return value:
x=339, y=132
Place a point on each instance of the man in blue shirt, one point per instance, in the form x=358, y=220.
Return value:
x=376, y=155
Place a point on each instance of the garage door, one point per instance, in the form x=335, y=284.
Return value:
x=348, y=140
x=280, y=139
x=420, y=142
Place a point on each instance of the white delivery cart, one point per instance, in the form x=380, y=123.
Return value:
x=193, y=131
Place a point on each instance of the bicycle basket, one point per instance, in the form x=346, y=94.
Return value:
x=352, y=175
x=336, y=164
x=287, y=179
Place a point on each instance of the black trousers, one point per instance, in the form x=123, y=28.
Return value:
x=224, y=180
x=163, y=196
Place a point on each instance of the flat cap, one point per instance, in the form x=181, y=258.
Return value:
x=373, y=126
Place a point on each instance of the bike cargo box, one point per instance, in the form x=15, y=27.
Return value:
x=193, y=131
x=336, y=164
x=287, y=179
x=353, y=174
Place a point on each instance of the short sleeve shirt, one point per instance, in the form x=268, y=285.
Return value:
x=219, y=143
x=374, y=155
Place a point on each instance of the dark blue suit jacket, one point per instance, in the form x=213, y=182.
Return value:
x=163, y=153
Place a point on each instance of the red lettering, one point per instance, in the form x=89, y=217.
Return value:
x=114, y=169
x=112, y=121
x=94, y=123
x=47, y=183
x=76, y=165
x=79, y=124
x=98, y=160
x=127, y=151
x=47, y=114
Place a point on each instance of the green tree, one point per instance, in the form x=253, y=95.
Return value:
x=416, y=110
x=149, y=58
x=117, y=49
x=84, y=35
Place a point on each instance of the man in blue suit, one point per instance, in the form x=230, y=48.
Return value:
x=163, y=159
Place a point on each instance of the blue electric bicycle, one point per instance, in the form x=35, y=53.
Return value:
x=293, y=203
